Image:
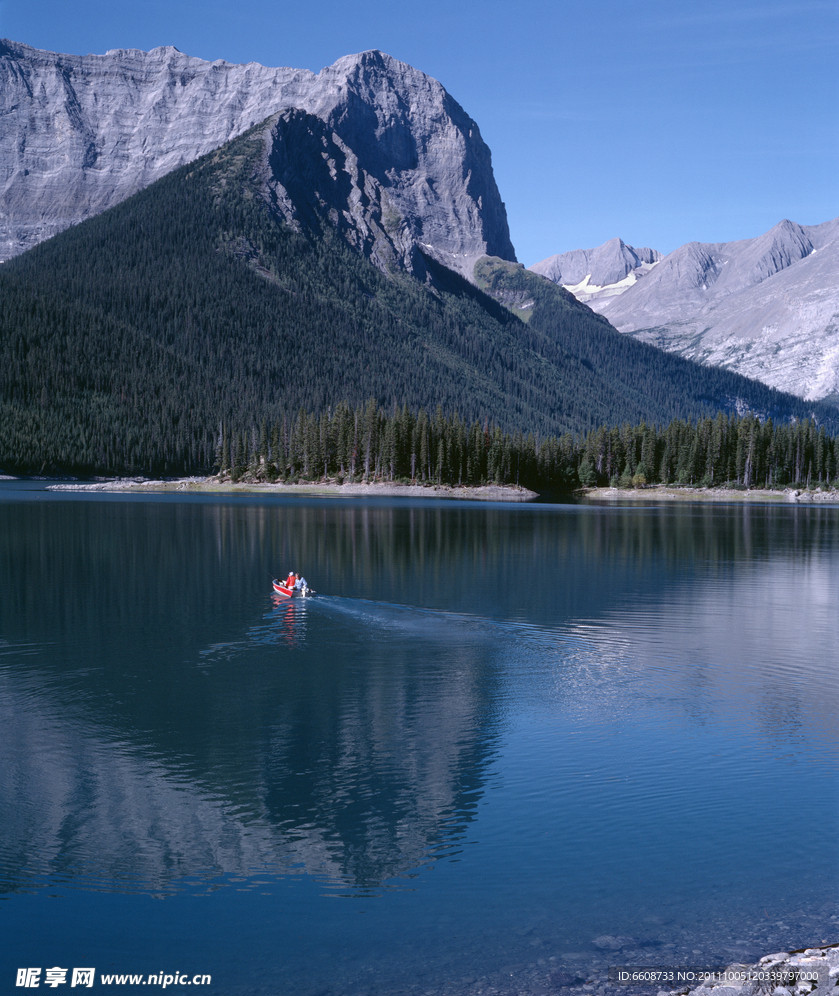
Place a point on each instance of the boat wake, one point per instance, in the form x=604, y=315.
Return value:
x=290, y=621
x=426, y=623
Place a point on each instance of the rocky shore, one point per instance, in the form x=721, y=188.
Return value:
x=213, y=485
x=490, y=492
x=809, y=972
x=669, y=492
x=806, y=972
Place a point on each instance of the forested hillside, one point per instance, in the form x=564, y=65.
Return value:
x=647, y=378
x=127, y=342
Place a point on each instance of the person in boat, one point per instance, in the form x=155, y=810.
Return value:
x=289, y=581
x=300, y=583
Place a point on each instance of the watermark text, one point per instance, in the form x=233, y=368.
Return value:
x=84, y=978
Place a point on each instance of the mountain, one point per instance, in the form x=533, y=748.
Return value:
x=767, y=307
x=388, y=151
x=349, y=245
x=128, y=341
x=606, y=271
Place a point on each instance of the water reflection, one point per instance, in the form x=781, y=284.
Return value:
x=168, y=722
x=348, y=781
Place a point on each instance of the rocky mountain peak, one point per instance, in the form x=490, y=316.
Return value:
x=774, y=251
x=722, y=268
x=606, y=270
x=423, y=151
x=83, y=132
x=766, y=307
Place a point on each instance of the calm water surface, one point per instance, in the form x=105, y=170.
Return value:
x=507, y=742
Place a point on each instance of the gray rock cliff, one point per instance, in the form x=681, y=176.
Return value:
x=607, y=264
x=400, y=165
x=766, y=307
x=600, y=272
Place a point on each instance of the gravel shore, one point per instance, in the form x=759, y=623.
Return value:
x=664, y=492
x=212, y=485
x=806, y=972
x=492, y=492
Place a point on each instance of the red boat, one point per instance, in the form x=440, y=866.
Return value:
x=281, y=588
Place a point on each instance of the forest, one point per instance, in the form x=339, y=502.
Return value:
x=366, y=443
x=131, y=343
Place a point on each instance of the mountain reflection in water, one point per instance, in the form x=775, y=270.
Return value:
x=565, y=707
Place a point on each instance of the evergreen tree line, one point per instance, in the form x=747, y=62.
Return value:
x=735, y=450
x=367, y=443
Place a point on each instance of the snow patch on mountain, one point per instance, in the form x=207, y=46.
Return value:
x=766, y=307
x=606, y=271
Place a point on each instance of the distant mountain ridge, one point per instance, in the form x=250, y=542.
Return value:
x=605, y=271
x=402, y=165
x=766, y=307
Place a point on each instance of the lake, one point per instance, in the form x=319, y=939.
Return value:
x=507, y=747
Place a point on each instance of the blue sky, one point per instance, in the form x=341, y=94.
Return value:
x=662, y=122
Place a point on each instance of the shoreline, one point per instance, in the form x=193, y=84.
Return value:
x=675, y=492
x=811, y=971
x=326, y=489
x=488, y=492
